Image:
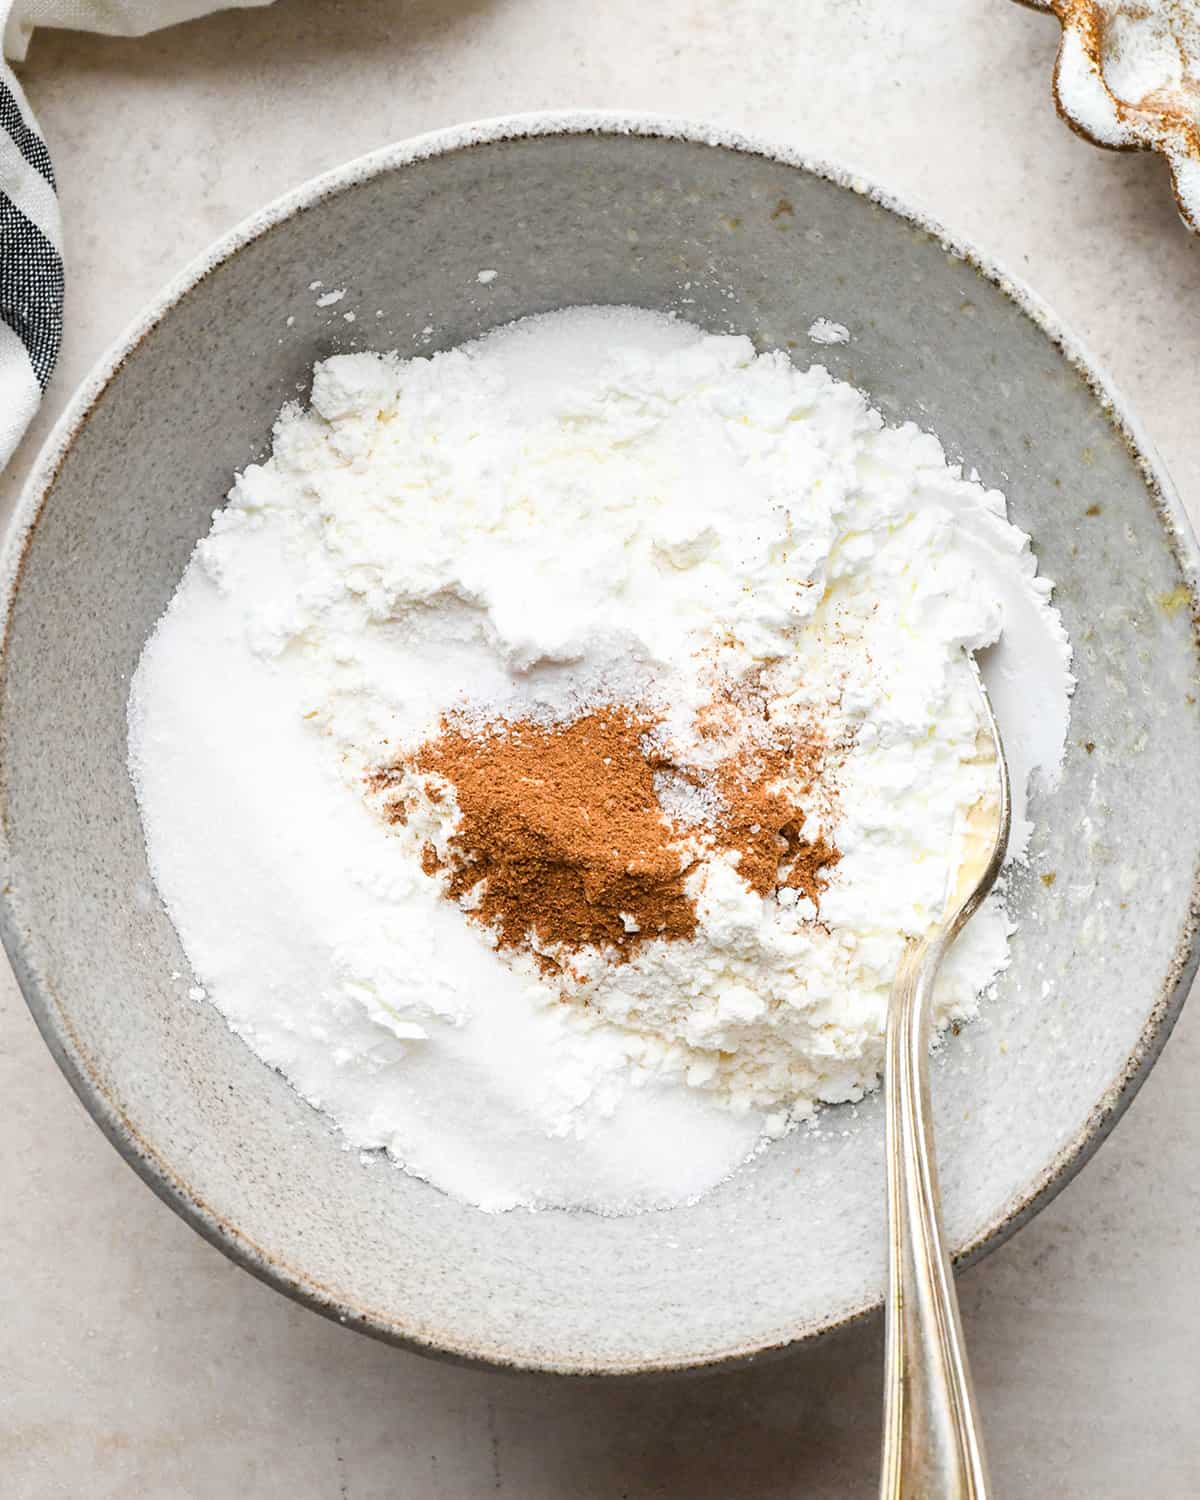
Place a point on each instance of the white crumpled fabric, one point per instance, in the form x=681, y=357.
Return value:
x=31, y=253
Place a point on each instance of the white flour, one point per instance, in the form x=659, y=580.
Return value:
x=598, y=505
x=822, y=331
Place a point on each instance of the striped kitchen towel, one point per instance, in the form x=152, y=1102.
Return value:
x=31, y=257
x=31, y=268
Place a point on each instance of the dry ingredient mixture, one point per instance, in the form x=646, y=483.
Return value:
x=560, y=841
x=584, y=723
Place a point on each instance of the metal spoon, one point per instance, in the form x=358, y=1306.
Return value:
x=932, y=1449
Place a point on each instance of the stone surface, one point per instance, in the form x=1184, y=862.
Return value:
x=136, y=1361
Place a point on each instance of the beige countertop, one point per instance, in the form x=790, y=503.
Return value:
x=135, y=1361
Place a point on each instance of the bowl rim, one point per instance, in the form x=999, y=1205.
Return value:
x=69, y=1048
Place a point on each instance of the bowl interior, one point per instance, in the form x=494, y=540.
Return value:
x=733, y=240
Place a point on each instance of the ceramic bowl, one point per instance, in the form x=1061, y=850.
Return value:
x=1127, y=76
x=733, y=236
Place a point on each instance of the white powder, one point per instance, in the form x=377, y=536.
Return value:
x=599, y=504
x=822, y=331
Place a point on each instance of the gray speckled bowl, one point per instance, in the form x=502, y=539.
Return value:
x=569, y=210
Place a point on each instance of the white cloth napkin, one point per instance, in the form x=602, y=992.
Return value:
x=31, y=259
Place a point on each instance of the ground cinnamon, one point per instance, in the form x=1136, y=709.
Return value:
x=561, y=825
x=765, y=826
x=563, y=843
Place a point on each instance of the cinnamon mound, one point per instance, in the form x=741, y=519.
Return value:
x=562, y=843
x=765, y=826
x=562, y=826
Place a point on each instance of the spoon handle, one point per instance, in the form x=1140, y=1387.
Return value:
x=931, y=1443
